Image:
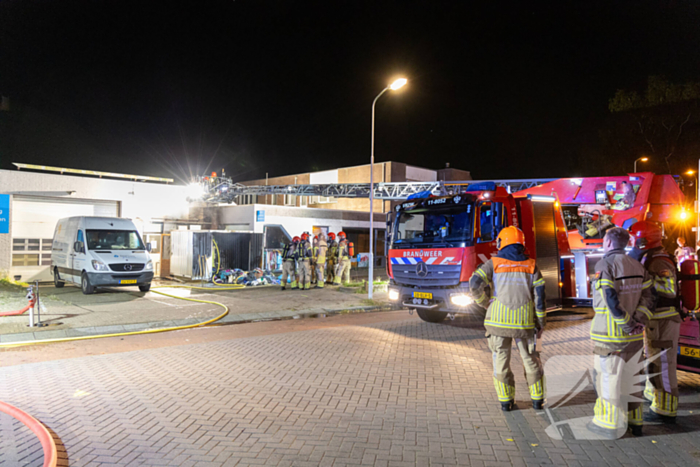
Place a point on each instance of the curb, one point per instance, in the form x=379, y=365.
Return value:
x=242, y=318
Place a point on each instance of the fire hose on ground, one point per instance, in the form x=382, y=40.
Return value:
x=47, y=442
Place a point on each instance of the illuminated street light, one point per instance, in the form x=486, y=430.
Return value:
x=397, y=84
x=643, y=159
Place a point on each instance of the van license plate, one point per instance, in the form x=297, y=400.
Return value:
x=128, y=281
x=427, y=295
x=689, y=352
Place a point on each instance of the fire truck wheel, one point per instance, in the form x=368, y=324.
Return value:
x=431, y=316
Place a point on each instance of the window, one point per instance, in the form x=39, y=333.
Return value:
x=247, y=199
x=31, y=251
x=114, y=240
x=443, y=225
x=303, y=201
x=290, y=200
x=326, y=200
x=486, y=222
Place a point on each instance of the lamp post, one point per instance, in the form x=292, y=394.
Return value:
x=398, y=84
x=643, y=159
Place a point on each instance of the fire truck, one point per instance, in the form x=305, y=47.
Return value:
x=437, y=242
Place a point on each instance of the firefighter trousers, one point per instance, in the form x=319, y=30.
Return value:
x=313, y=271
x=288, y=272
x=617, y=386
x=342, y=272
x=320, y=273
x=503, y=378
x=661, y=341
x=330, y=270
x=304, y=274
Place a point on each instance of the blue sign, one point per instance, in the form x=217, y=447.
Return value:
x=260, y=216
x=4, y=214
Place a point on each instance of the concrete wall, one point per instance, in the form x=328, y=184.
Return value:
x=138, y=200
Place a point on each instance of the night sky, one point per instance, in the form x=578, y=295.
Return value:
x=503, y=89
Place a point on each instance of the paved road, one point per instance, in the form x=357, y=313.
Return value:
x=393, y=393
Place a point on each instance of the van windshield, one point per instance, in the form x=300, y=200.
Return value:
x=114, y=240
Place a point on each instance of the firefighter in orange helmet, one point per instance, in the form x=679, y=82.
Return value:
x=517, y=312
x=661, y=334
x=342, y=270
x=320, y=250
x=332, y=258
x=303, y=260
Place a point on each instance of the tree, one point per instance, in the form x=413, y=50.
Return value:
x=664, y=121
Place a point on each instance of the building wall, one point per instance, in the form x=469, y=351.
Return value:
x=138, y=200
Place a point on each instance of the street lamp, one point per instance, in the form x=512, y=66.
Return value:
x=398, y=84
x=643, y=159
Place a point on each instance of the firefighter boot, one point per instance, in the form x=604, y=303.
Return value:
x=507, y=406
x=538, y=404
x=654, y=417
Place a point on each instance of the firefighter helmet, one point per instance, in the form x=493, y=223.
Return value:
x=646, y=235
x=331, y=236
x=341, y=235
x=295, y=240
x=511, y=235
x=304, y=236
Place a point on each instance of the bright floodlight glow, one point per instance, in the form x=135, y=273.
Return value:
x=683, y=215
x=398, y=84
x=461, y=300
x=393, y=294
x=644, y=159
x=195, y=190
x=690, y=172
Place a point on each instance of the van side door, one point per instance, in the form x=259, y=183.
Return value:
x=78, y=256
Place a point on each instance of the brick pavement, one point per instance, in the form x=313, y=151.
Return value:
x=402, y=393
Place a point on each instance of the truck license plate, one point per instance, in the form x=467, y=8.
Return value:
x=427, y=295
x=128, y=281
x=689, y=352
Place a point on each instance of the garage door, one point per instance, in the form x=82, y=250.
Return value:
x=33, y=222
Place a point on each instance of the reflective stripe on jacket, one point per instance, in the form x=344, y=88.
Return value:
x=622, y=297
x=664, y=274
x=518, y=291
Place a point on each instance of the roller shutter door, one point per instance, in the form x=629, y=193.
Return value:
x=33, y=222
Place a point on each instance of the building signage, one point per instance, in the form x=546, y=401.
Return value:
x=4, y=214
x=260, y=216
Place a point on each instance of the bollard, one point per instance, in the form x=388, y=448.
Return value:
x=30, y=297
x=37, y=304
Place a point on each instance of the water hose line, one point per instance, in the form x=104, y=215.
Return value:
x=146, y=331
x=47, y=442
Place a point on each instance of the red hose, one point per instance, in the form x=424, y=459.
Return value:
x=45, y=438
x=18, y=312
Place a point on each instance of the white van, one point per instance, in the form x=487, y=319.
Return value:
x=100, y=252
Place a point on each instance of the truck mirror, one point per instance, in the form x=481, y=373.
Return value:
x=78, y=247
x=148, y=247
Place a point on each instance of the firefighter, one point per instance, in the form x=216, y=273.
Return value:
x=342, y=270
x=303, y=260
x=331, y=258
x=320, y=251
x=516, y=312
x=622, y=297
x=661, y=334
x=289, y=257
x=314, y=250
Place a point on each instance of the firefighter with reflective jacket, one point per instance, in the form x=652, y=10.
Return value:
x=320, y=251
x=517, y=311
x=332, y=258
x=303, y=262
x=661, y=334
x=342, y=270
x=622, y=298
x=289, y=257
x=314, y=245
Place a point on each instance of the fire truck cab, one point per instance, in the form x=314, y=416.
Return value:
x=435, y=244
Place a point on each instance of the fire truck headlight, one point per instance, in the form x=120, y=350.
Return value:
x=393, y=295
x=461, y=299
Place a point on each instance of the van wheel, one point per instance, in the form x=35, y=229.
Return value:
x=145, y=288
x=85, y=285
x=57, y=282
x=431, y=316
